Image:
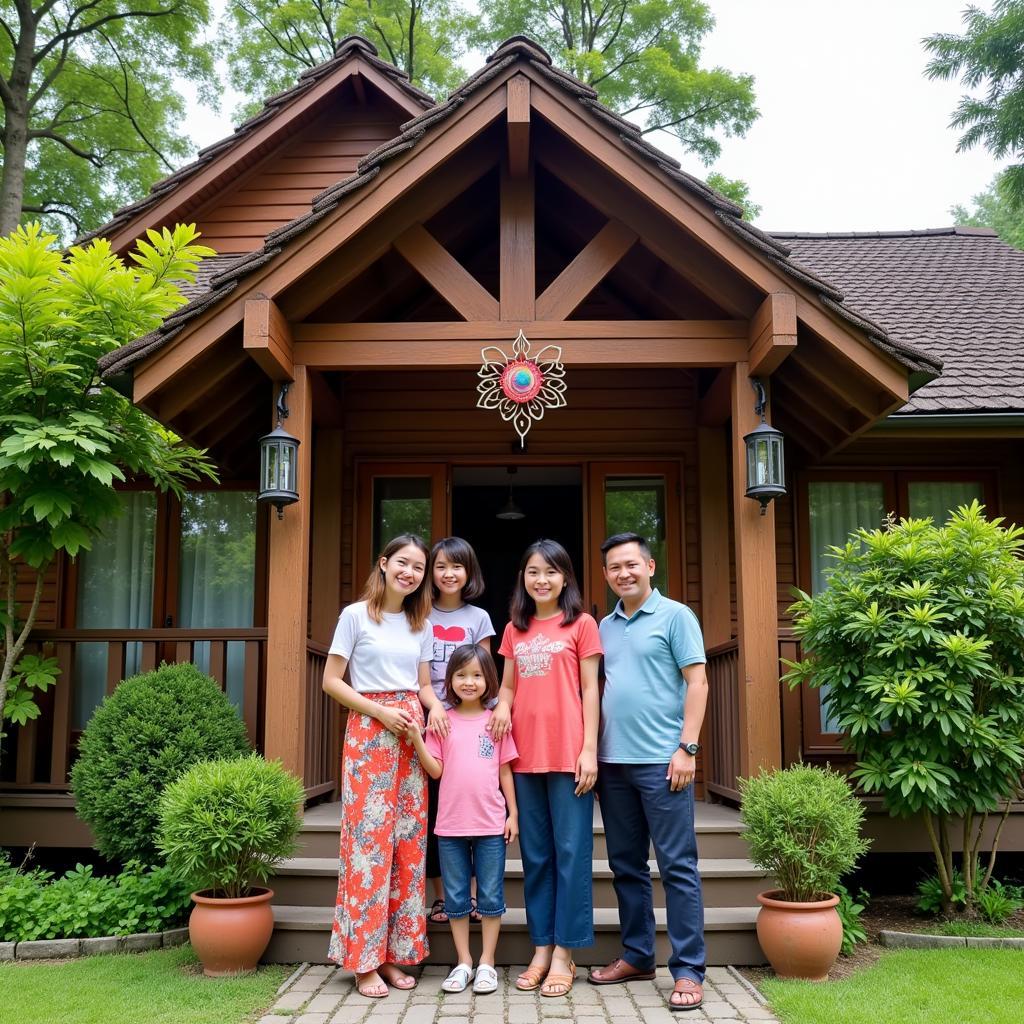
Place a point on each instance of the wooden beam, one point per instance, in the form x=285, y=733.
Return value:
x=326, y=572
x=713, y=455
x=863, y=393
x=446, y=275
x=267, y=337
x=192, y=390
x=518, y=126
x=827, y=397
x=517, y=259
x=715, y=407
x=804, y=409
x=327, y=411
x=551, y=330
x=586, y=271
x=287, y=609
x=772, y=333
x=756, y=599
x=211, y=412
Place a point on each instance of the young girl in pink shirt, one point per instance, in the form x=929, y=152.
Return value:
x=551, y=650
x=476, y=813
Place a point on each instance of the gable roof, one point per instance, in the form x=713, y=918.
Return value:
x=350, y=48
x=521, y=49
x=956, y=293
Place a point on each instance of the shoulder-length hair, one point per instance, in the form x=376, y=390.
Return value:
x=415, y=605
x=460, y=658
x=461, y=552
x=522, y=607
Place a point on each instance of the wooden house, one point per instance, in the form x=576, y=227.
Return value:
x=370, y=243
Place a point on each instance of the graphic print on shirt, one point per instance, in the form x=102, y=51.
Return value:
x=485, y=745
x=533, y=657
x=446, y=639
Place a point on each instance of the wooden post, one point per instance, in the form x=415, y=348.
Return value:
x=713, y=453
x=325, y=600
x=756, y=596
x=288, y=587
x=518, y=289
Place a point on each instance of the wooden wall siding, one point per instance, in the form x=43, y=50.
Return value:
x=281, y=187
x=610, y=415
x=49, y=605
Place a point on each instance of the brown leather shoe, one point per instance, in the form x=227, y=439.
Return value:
x=617, y=972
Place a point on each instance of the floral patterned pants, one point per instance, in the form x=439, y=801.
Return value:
x=381, y=878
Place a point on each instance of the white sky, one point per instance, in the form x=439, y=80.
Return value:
x=852, y=136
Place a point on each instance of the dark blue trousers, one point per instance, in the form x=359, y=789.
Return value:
x=637, y=807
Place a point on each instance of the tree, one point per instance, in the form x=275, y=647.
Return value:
x=643, y=57
x=994, y=209
x=422, y=37
x=920, y=638
x=990, y=53
x=64, y=437
x=88, y=113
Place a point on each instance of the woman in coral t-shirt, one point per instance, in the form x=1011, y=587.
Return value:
x=549, y=689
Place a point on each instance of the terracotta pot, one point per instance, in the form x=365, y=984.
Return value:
x=801, y=940
x=230, y=935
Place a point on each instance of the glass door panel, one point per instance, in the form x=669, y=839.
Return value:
x=939, y=499
x=638, y=498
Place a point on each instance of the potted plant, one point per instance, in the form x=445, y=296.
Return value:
x=803, y=825
x=224, y=825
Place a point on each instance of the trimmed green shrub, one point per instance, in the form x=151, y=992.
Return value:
x=224, y=825
x=79, y=906
x=141, y=738
x=803, y=825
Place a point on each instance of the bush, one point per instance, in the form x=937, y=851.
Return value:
x=803, y=825
x=140, y=739
x=920, y=639
x=224, y=825
x=995, y=902
x=850, y=908
x=80, y=905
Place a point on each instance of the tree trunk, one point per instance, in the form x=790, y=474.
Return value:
x=16, y=94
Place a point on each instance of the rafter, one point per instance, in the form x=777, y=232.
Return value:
x=197, y=385
x=267, y=337
x=518, y=126
x=518, y=247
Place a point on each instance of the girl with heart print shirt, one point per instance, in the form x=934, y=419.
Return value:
x=455, y=578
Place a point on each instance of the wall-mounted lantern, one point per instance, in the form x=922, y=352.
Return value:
x=766, y=469
x=279, y=462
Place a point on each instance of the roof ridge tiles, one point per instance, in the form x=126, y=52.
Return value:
x=960, y=230
x=523, y=45
x=355, y=41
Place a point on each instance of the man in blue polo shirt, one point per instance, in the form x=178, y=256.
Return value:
x=652, y=708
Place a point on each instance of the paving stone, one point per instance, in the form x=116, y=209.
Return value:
x=657, y=1015
x=421, y=1013
x=320, y=970
x=7, y=950
x=349, y=1014
x=47, y=949
x=584, y=994
x=587, y=1011
x=431, y=985
x=652, y=998
x=324, y=1002
x=382, y=1014
x=713, y=1007
x=633, y=987
x=340, y=986
x=306, y=983
x=290, y=1001
x=758, y=1013
x=522, y=1014
x=742, y=999
x=273, y=1018
x=435, y=971
x=97, y=946
x=551, y=1009
x=487, y=1018
x=312, y=1018
x=457, y=997
x=626, y=1020
x=618, y=1006
x=142, y=941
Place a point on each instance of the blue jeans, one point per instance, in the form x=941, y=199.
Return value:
x=556, y=837
x=637, y=807
x=483, y=856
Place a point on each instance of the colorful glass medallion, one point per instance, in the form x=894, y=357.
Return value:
x=523, y=386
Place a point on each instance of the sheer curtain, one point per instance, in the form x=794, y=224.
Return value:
x=940, y=498
x=837, y=508
x=217, y=573
x=115, y=591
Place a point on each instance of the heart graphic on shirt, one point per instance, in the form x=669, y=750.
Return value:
x=452, y=634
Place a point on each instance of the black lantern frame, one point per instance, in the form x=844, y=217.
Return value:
x=766, y=466
x=279, y=462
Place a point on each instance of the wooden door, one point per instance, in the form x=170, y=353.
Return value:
x=636, y=497
x=393, y=498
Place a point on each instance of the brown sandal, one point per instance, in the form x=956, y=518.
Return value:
x=564, y=980
x=690, y=987
x=530, y=979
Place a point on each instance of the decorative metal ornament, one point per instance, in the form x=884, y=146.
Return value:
x=522, y=387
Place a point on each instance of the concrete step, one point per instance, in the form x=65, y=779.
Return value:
x=728, y=882
x=719, y=833
x=302, y=934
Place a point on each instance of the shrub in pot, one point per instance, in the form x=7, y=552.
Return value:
x=803, y=826
x=224, y=825
x=149, y=730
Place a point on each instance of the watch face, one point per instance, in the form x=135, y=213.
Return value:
x=691, y=748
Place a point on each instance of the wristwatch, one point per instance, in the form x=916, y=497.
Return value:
x=690, y=748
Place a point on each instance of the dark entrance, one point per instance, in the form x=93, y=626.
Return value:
x=550, y=499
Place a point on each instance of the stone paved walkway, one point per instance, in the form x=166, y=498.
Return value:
x=325, y=995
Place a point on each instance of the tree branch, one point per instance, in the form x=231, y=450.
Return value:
x=46, y=208
x=68, y=35
x=45, y=133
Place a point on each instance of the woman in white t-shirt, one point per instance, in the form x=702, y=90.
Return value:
x=385, y=643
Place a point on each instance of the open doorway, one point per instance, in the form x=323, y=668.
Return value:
x=535, y=501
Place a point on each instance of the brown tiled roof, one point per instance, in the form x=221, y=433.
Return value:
x=518, y=48
x=956, y=293
x=349, y=47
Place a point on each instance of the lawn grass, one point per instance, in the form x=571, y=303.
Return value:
x=911, y=986
x=975, y=929
x=166, y=986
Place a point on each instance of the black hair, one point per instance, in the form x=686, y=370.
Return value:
x=461, y=657
x=460, y=551
x=522, y=607
x=617, y=539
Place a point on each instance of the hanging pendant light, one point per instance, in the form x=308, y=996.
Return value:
x=510, y=510
x=766, y=471
x=279, y=462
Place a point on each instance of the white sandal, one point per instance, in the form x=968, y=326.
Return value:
x=461, y=975
x=486, y=980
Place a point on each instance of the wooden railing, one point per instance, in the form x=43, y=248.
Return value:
x=722, y=723
x=323, y=728
x=42, y=747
